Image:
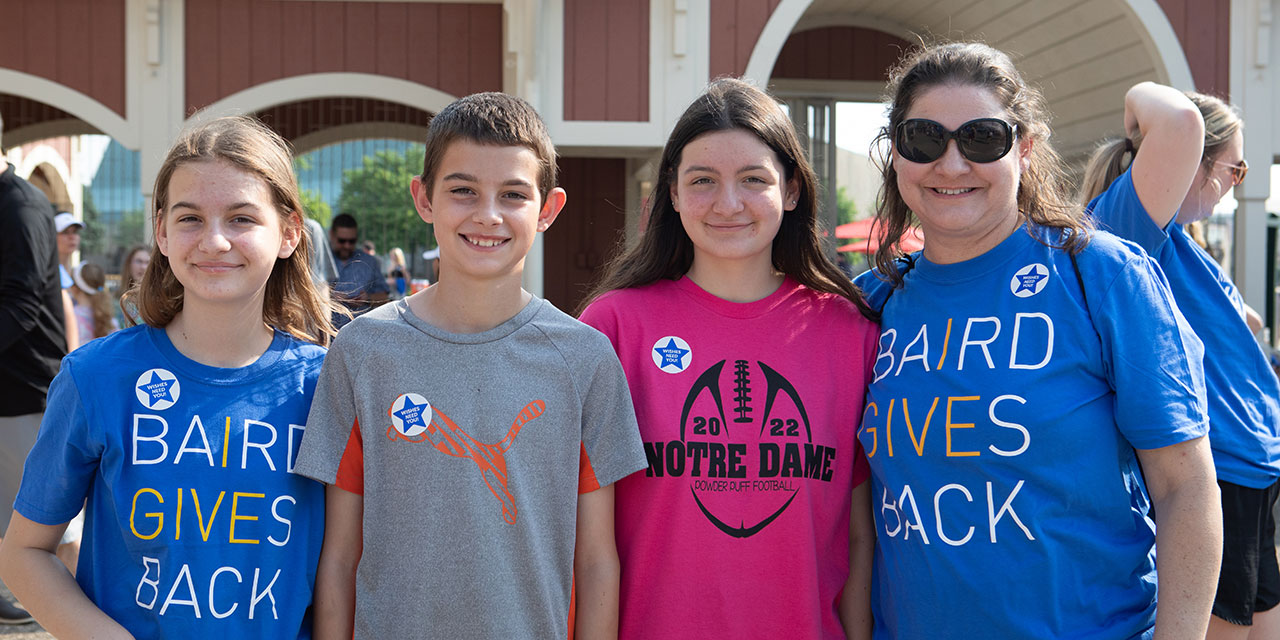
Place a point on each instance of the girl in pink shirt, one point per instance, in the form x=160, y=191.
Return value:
x=747, y=353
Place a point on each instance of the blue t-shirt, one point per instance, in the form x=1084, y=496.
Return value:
x=195, y=526
x=1000, y=425
x=1243, y=392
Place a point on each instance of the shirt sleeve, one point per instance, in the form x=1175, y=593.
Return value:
x=1119, y=211
x=611, y=447
x=1153, y=359
x=62, y=463
x=332, y=450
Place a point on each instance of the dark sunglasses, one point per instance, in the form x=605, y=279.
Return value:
x=344, y=240
x=1238, y=171
x=983, y=140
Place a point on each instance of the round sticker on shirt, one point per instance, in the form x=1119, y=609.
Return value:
x=157, y=389
x=1029, y=280
x=410, y=414
x=671, y=354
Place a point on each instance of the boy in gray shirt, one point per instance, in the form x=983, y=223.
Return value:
x=471, y=433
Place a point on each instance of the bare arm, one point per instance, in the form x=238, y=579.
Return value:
x=335, y=598
x=1188, y=512
x=1171, y=134
x=36, y=576
x=855, y=602
x=595, y=567
x=69, y=323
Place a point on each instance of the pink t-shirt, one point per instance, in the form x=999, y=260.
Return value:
x=749, y=415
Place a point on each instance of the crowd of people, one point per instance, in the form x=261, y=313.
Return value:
x=732, y=439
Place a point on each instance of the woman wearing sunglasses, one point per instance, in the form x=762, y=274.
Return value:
x=1145, y=188
x=1029, y=371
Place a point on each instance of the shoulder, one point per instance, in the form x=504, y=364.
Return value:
x=613, y=306
x=564, y=330
x=370, y=330
x=875, y=289
x=1105, y=249
x=299, y=349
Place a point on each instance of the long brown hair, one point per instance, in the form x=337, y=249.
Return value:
x=292, y=303
x=95, y=279
x=665, y=250
x=1043, y=190
x=1114, y=155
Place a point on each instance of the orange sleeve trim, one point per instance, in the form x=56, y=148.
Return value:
x=351, y=467
x=586, y=473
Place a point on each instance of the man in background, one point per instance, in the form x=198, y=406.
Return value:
x=360, y=284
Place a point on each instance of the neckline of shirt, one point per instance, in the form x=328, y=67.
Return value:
x=741, y=310
x=219, y=375
x=978, y=266
x=497, y=333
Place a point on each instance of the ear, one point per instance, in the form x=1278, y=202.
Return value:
x=551, y=207
x=791, y=194
x=162, y=236
x=1024, y=153
x=291, y=236
x=675, y=198
x=421, y=199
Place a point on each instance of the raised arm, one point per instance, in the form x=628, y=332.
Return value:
x=45, y=587
x=1169, y=133
x=1188, y=513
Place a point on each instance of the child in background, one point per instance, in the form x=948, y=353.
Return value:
x=471, y=432
x=747, y=352
x=92, y=302
x=181, y=432
x=132, y=268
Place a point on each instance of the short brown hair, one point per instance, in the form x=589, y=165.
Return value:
x=292, y=302
x=490, y=118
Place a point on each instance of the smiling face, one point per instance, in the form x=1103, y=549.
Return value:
x=486, y=209
x=222, y=234
x=731, y=192
x=964, y=207
x=1212, y=182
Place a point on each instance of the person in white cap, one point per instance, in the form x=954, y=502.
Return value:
x=68, y=229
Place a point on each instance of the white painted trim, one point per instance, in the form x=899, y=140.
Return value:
x=325, y=85
x=48, y=129
x=47, y=156
x=359, y=131
x=596, y=133
x=847, y=19
x=1162, y=44
x=775, y=34
x=73, y=102
x=840, y=90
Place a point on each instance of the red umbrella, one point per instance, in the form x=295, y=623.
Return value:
x=856, y=229
x=912, y=240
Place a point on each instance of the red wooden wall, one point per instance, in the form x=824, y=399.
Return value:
x=77, y=43
x=606, y=60
x=583, y=238
x=297, y=119
x=236, y=44
x=1203, y=28
x=839, y=53
x=736, y=25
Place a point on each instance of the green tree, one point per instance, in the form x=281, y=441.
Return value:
x=846, y=206
x=377, y=194
x=317, y=208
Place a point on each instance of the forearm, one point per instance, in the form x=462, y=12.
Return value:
x=597, y=597
x=45, y=587
x=855, y=601
x=1188, y=552
x=335, y=600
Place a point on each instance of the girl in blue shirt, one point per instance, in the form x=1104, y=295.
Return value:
x=1167, y=173
x=178, y=436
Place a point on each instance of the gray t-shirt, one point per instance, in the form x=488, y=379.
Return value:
x=470, y=451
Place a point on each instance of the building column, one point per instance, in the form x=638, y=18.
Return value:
x=155, y=67
x=1255, y=39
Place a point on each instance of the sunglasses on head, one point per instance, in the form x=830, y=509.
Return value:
x=983, y=140
x=1238, y=171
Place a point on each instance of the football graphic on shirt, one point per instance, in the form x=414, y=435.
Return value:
x=744, y=431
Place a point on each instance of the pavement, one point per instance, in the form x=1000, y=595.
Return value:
x=31, y=631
